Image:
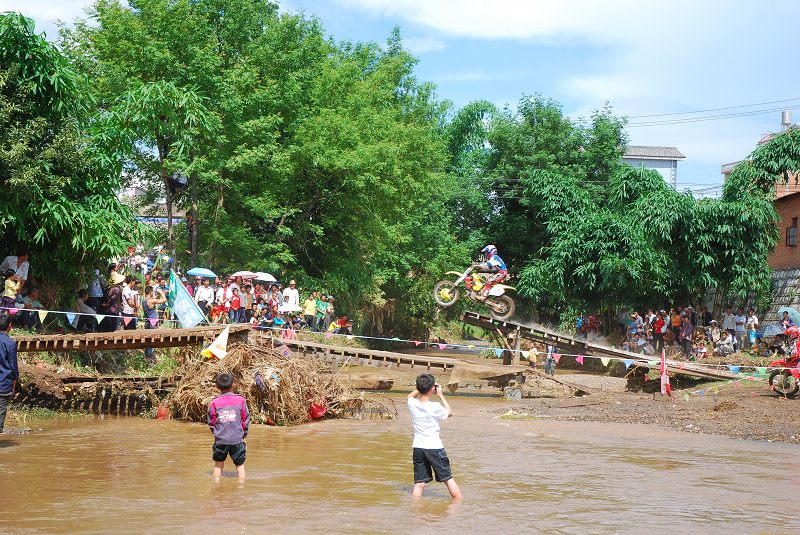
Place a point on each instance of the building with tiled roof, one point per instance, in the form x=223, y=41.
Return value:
x=663, y=160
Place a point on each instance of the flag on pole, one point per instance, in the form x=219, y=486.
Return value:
x=665, y=387
x=219, y=347
x=182, y=304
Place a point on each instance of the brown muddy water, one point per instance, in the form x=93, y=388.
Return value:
x=130, y=475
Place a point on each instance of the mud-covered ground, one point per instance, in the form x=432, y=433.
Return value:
x=747, y=410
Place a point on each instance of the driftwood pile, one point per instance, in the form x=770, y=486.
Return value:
x=279, y=388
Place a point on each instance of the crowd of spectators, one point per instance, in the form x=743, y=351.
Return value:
x=682, y=329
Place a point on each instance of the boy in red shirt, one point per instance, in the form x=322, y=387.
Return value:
x=229, y=420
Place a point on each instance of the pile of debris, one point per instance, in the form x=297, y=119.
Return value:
x=279, y=389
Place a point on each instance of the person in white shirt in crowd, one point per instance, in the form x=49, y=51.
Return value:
x=291, y=297
x=204, y=296
x=19, y=264
x=739, y=319
x=751, y=326
x=429, y=456
x=729, y=323
x=130, y=302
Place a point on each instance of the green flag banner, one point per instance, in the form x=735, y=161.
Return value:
x=182, y=304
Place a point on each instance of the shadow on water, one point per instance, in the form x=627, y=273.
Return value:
x=8, y=443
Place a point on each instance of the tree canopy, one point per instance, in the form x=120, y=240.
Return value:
x=58, y=198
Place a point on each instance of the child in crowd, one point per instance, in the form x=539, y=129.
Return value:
x=229, y=420
x=428, y=451
x=12, y=287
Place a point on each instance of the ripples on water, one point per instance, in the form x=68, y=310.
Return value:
x=133, y=476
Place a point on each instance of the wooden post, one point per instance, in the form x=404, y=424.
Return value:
x=515, y=356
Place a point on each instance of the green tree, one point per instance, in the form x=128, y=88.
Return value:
x=59, y=195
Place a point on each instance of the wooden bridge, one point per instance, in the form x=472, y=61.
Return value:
x=574, y=346
x=132, y=339
x=337, y=355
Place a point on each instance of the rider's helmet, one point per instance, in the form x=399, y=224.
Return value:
x=490, y=250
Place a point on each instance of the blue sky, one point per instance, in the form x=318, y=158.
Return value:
x=643, y=56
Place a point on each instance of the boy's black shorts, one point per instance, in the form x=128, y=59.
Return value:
x=427, y=460
x=238, y=452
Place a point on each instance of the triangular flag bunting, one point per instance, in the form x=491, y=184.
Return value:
x=471, y=346
x=219, y=347
x=126, y=320
x=396, y=338
x=628, y=363
x=71, y=318
x=734, y=369
x=762, y=371
x=417, y=343
x=42, y=315
x=153, y=322
x=288, y=334
x=579, y=359
x=13, y=311
x=442, y=346
x=526, y=354
x=605, y=360
x=329, y=335
x=556, y=357
x=498, y=352
x=99, y=317
x=652, y=363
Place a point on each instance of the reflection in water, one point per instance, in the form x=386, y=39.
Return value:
x=133, y=475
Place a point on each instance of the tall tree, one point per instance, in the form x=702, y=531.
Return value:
x=59, y=192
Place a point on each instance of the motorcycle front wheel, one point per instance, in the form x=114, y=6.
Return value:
x=445, y=293
x=784, y=383
x=501, y=307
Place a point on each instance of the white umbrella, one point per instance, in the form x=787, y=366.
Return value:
x=289, y=308
x=266, y=277
x=244, y=274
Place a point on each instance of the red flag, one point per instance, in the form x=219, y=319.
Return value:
x=665, y=387
x=556, y=357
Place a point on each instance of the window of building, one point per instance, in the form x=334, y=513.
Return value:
x=791, y=234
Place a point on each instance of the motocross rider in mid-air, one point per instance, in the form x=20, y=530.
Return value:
x=493, y=269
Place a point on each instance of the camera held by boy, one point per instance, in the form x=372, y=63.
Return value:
x=429, y=456
x=229, y=420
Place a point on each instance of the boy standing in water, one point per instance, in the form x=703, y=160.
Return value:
x=229, y=421
x=429, y=455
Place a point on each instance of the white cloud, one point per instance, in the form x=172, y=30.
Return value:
x=47, y=10
x=649, y=57
x=423, y=45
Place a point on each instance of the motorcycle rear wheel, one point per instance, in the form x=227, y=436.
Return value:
x=501, y=307
x=784, y=383
x=445, y=293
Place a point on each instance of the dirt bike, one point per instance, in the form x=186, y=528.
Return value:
x=786, y=379
x=500, y=305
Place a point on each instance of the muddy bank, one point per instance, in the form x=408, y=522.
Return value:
x=748, y=412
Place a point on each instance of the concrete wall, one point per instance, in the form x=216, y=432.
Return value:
x=662, y=167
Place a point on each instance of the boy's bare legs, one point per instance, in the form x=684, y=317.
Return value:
x=218, y=466
x=240, y=471
x=418, y=488
x=455, y=492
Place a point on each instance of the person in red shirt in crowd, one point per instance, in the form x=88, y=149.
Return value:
x=343, y=326
x=236, y=307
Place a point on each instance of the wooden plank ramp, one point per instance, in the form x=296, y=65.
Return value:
x=572, y=346
x=131, y=339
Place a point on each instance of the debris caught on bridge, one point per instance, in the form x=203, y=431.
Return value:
x=279, y=388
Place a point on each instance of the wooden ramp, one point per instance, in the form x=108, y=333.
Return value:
x=359, y=356
x=574, y=346
x=133, y=339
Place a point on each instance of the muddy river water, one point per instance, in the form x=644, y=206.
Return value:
x=131, y=475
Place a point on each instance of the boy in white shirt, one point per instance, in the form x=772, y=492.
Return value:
x=429, y=455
